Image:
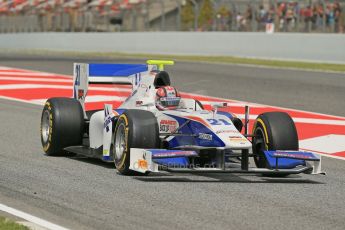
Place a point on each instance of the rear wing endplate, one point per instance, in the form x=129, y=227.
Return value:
x=85, y=74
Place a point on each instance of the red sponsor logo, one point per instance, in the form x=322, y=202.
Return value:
x=167, y=126
x=168, y=122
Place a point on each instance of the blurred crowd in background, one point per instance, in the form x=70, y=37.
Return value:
x=292, y=16
x=325, y=16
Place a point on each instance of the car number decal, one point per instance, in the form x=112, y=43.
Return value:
x=218, y=122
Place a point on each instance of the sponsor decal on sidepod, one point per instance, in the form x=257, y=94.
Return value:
x=167, y=126
x=205, y=136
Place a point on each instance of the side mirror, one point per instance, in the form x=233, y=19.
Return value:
x=216, y=105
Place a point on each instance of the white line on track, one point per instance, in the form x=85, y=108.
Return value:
x=33, y=86
x=15, y=70
x=34, y=79
x=38, y=101
x=98, y=98
x=42, y=86
x=31, y=218
x=8, y=74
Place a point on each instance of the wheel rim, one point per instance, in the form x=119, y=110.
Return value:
x=120, y=141
x=45, y=126
x=260, y=147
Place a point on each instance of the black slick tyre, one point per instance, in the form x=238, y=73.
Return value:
x=273, y=131
x=62, y=125
x=134, y=129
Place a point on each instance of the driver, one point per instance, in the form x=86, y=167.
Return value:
x=167, y=98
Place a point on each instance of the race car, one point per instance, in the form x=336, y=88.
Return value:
x=156, y=129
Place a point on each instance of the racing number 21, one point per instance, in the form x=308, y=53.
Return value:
x=218, y=122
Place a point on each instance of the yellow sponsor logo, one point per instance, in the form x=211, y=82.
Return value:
x=240, y=140
x=105, y=152
x=142, y=164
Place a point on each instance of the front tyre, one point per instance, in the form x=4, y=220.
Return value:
x=134, y=129
x=62, y=125
x=273, y=131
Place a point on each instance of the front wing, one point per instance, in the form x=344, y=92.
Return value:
x=148, y=160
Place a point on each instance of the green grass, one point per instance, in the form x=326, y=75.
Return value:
x=6, y=224
x=252, y=61
x=190, y=58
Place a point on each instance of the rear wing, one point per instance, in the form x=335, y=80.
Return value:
x=85, y=74
x=116, y=73
x=99, y=73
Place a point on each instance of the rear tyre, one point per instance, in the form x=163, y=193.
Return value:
x=273, y=131
x=134, y=129
x=62, y=125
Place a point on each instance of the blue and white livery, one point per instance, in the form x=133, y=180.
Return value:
x=139, y=137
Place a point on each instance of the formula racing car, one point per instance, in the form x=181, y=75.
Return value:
x=157, y=129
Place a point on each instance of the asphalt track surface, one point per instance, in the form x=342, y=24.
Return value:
x=81, y=193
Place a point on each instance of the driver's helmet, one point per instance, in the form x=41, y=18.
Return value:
x=167, y=97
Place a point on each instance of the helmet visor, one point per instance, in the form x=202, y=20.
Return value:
x=170, y=101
